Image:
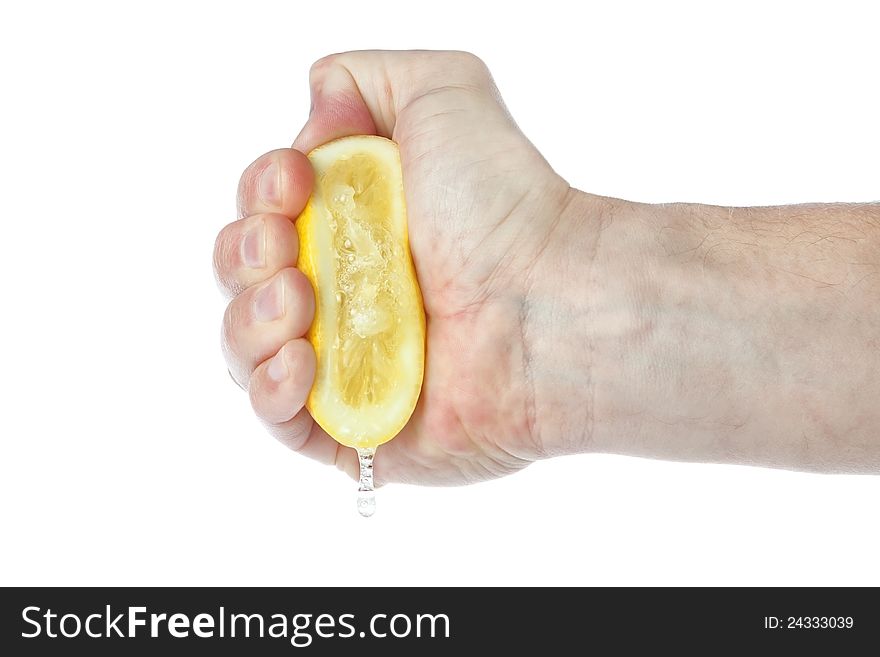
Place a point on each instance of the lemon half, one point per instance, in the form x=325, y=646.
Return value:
x=369, y=326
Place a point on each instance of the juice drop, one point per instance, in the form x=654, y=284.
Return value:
x=366, y=501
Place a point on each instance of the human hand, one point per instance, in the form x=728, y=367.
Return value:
x=558, y=321
x=482, y=205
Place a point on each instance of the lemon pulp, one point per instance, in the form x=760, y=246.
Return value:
x=369, y=326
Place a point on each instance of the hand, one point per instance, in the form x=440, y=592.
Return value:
x=558, y=321
x=482, y=205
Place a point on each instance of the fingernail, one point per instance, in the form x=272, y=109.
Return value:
x=277, y=368
x=269, y=303
x=253, y=247
x=269, y=191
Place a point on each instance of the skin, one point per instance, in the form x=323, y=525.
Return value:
x=558, y=321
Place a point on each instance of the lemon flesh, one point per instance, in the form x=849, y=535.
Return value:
x=369, y=326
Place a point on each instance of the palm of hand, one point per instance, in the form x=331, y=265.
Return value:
x=477, y=207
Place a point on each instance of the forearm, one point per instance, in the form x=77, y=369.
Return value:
x=736, y=335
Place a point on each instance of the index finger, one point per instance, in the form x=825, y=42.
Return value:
x=278, y=182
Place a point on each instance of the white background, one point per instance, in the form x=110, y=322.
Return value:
x=129, y=457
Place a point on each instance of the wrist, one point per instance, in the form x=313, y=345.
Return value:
x=616, y=323
x=566, y=320
x=656, y=346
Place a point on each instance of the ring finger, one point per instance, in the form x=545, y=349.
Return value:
x=263, y=318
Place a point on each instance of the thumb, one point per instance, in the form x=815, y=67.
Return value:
x=365, y=92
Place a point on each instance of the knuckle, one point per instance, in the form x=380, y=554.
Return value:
x=247, y=185
x=320, y=66
x=468, y=61
x=257, y=395
x=221, y=255
x=233, y=322
x=297, y=430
